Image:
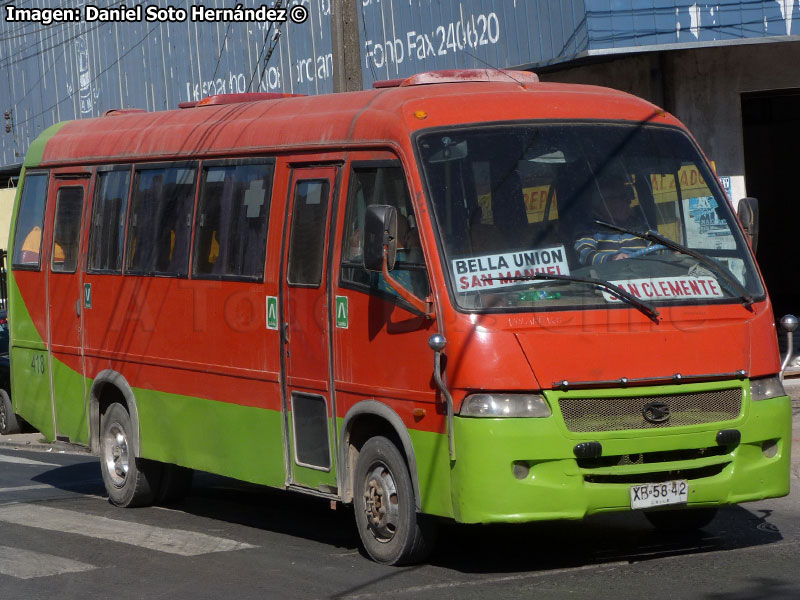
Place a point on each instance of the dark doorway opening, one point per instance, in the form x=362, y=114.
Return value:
x=771, y=127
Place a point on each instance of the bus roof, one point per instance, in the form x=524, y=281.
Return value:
x=355, y=119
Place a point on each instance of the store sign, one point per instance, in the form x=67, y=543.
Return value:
x=726, y=185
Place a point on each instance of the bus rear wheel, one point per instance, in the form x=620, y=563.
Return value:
x=129, y=481
x=392, y=531
x=681, y=520
x=8, y=420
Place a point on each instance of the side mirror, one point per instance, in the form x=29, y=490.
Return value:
x=380, y=229
x=748, y=215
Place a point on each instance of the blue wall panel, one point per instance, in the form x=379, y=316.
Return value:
x=637, y=23
x=72, y=70
x=403, y=37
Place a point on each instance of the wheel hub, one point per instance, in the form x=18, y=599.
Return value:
x=381, y=503
x=117, y=458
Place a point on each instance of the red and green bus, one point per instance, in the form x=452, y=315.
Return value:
x=386, y=298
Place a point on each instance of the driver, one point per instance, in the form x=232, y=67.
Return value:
x=613, y=206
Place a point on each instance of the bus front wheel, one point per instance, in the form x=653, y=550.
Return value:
x=390, y=528
x=129, y=481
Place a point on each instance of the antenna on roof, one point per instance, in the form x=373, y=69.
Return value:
x=499, y=70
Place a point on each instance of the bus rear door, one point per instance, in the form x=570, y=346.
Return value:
x=306, y=330
x=67, y=301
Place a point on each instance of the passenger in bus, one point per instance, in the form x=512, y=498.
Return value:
x=613, y=204
x=31, y=245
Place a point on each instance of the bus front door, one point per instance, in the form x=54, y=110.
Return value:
x=65, y=306
x=308, y=403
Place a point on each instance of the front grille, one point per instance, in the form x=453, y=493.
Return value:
x=652, y=458
x=627, y=412
x=658, y=477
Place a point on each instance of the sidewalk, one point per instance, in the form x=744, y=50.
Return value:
x=36, y=442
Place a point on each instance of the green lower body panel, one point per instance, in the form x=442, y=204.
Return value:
x=516, y=470
x=236, y=441
x=30, y=383
x=433, y=472
x=72, y=418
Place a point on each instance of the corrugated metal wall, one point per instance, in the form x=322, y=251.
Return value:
x=403, y=37
x=638, y=23
x=73, y=70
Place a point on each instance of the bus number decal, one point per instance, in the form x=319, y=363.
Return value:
x=37, y=364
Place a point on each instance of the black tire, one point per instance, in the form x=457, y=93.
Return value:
x=390, y=528
x=175, y=485
x=682, y=520
x=8, y=420
x=129, y=481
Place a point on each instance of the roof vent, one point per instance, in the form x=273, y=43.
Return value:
x=116, y=112
x=462, y=76
x=218, y=99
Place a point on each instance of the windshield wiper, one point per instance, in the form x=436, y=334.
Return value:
x=648, y=310
x=719, y=269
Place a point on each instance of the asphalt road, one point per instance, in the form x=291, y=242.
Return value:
x=59, y=537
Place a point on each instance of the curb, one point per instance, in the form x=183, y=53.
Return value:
x=35, y=442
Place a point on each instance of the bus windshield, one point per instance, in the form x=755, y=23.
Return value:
x=582, y=201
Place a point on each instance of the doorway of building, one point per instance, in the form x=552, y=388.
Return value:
x=771, y=127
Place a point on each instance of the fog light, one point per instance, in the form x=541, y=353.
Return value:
x=770, y=448
x=521, y=469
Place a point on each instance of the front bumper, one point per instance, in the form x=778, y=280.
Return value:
x=517, y=470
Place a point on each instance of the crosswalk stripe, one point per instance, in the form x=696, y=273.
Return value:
x=25, y=461
x=25, y=488
x=24, y=564
x=173, y=541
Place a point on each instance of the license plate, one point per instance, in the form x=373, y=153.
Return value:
x=659, y=494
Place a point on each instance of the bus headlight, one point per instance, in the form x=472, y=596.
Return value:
x=505, y=405
x=766, y=387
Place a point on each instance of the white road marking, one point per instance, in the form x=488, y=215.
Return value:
x=25, y=488
x=25, y=461
x=24, y=564
x=173, y=541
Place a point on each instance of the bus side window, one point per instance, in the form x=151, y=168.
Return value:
x=67, y=229
x=231, y=230
x=307, y=239
x=160, y=225
x=30, y=221
x=382, y=185
x=108, y=221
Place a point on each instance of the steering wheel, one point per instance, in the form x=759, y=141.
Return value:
x=646, y=251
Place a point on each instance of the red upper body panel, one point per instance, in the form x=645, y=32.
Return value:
x=524, y=351
x=356, y=118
